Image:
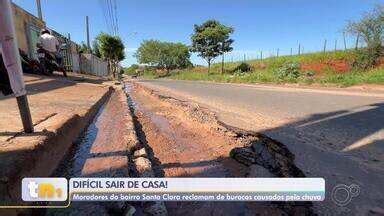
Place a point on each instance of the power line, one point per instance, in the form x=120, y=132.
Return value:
x=112, y=16
x=116, y=22
x=109, y=18
x=109, y=15
x=102, y=7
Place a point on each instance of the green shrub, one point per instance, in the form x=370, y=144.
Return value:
x=131, y=70
x=288, y=71
x=367, y=58
x=243, y=67
x=309, y=73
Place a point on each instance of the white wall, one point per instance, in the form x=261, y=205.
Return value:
x=90, y=64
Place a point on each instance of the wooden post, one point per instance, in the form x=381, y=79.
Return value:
x=345, y=42
x=335, y=45
x=357, y=41
x=299, y=49
x=325, y=46
x=222, y=64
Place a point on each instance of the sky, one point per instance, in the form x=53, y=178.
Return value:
x=260, y=25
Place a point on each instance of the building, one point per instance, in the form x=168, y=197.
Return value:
x=27, y=28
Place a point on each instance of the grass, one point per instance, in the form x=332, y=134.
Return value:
x=374, y=76
x=264, y=71
x=276, y=62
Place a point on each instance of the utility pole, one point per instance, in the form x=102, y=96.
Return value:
x=39, y=12
x=12, y=62
x=277, y=52
x=87, y=29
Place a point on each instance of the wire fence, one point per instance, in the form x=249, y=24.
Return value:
x=341, y=44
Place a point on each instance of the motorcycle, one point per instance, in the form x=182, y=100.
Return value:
x=28, y=64
x=48, y=61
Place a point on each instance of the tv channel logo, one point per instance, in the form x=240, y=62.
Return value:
x=44, y=189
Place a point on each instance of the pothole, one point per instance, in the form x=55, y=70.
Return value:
x=263, y=156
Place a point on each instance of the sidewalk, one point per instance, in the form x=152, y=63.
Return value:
x=61, y=109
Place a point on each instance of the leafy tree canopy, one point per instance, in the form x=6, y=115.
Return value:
x=370, y=27
x=110, y=47
x=96, y=49
x=211, y=39
x=163, y=55
x=84, y=48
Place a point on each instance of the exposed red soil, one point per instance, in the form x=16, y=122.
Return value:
x=380, y=62
x=340, y=66
x=183, y=143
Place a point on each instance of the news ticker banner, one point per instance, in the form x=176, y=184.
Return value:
x=173, y=189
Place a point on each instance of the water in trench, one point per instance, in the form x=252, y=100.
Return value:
x=73, y=162
x=100, y=151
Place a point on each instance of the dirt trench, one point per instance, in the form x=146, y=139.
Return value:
x=186, y=140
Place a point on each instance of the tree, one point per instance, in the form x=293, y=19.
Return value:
x=211, y=39
x=84, y=48
x=371, y=29
x=96, y=49
x=131, y=70
x=163, y=55
x=111, y=49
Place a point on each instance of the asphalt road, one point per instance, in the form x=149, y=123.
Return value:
x=335, y=134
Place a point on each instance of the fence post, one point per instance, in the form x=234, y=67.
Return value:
x=222, y=64
x=325, y=46
x=345, y=42
x=299, y=48
x=336, y=45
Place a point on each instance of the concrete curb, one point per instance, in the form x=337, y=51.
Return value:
x=42, y=156
x=143, y=165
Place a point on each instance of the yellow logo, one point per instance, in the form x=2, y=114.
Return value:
x=47, y=190
x=44, y=189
